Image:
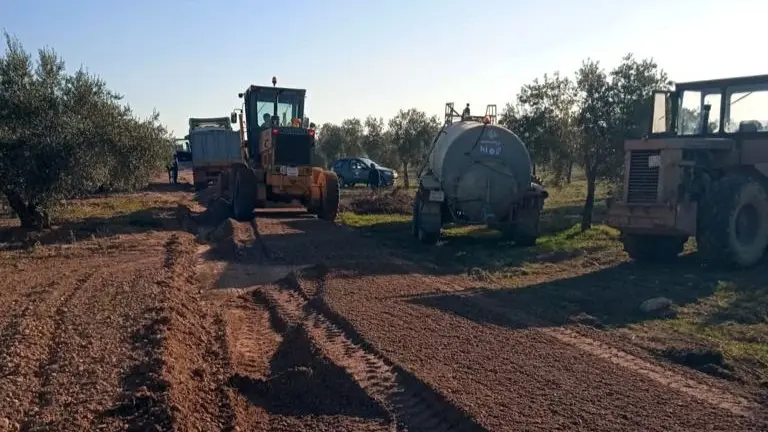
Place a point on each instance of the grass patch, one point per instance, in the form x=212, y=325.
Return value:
x=476, y=246
x=77, y=210
x=733, y=320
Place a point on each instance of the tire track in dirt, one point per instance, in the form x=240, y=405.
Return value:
x=23, y=381
x=249, y=341
x=658, y=373
x=410, y=404
x=655, y=372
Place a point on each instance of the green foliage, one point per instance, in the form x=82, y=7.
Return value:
x=64, y=135
x=567, y=123
x=412, y=136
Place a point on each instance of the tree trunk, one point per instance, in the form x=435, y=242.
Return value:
x=569, y=175
x=406, y=180
x=589, y=202
x=30, y=215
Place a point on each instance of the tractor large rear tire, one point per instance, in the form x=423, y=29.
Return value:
x=733, y=222
x=329, y=206
x=653, y=248
x=244, y=195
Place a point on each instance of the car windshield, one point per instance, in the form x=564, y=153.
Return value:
x=368, y=162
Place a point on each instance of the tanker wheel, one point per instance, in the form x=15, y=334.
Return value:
x=329, y=198
x=415, y=217
x=244, y=195
x=653, y=248
x=733, y=222
x=424, y=236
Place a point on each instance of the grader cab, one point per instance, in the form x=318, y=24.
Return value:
x=702, y=171
x=278, y=145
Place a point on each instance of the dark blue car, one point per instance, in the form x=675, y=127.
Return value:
x=355, y=170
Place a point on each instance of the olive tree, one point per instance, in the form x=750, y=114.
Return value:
x=64, y=135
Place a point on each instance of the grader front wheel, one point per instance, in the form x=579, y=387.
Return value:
x=329, y=196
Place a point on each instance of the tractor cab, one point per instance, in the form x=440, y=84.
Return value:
x=274, y=130
x=714, y=108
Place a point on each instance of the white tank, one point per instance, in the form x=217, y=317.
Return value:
x=478, y=164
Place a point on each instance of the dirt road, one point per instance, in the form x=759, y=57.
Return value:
x=291, y=323
x=514, y=374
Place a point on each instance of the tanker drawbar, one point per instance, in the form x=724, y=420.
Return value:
x=478, y=172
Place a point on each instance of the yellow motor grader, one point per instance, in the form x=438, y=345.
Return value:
x=277, y=148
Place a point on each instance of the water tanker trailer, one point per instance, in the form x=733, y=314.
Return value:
x=478, y=172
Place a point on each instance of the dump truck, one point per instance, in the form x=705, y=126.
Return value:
x=477, y=172
x=278, y=155
x=214, y=147
x=701, y=171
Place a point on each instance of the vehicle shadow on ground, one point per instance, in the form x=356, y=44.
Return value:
x=606, y=298
x=169, y=187
x=455, y=254
x=160, y=218
x=301, y=382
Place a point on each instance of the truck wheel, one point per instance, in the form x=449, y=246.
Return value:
x=653, y=248
x=329, y=206
x=244, y=195
x=222, y=186
x=733, y=222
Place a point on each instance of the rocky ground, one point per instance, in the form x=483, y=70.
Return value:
x=149, y=312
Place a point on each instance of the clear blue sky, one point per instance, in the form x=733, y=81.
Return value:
x=191, y=58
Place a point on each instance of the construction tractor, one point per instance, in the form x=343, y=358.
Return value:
x=278, y=146
x=702, y=171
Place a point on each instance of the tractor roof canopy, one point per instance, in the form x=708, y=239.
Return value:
x=285, y=103
x=720, y=107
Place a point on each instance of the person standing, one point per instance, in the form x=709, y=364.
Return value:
x=465, y=114
x=175, y=170
x=374, y=177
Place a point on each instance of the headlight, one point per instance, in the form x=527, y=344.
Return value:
x=394, y=174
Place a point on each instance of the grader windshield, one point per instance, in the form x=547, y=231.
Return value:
x=712, y=108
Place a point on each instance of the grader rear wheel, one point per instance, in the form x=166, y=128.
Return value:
x=733, y=222
x=329, y=196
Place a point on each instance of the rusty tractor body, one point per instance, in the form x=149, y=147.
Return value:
x=278, y=146
x=701, y=172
